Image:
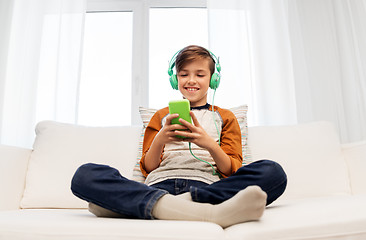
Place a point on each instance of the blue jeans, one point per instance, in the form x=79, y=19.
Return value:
x=105, y=187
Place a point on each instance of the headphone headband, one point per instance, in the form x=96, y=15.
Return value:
x=215, y=78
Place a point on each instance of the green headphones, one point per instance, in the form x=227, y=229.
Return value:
x=215, y=78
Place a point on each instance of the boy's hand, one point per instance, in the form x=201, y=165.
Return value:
x=196, y=135
x=169, y=131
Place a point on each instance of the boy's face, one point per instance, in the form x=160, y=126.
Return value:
x=194, y=81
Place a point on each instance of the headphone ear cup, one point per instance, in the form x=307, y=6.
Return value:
x=215, y=81
x=174, y=81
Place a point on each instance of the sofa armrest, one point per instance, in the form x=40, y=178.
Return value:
x=13, y=168
x=355, y=155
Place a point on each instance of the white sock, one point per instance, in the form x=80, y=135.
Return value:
x=103, y=212
x=186, y=196
x=246, y=205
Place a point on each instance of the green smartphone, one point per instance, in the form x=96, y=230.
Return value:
x=182, y=107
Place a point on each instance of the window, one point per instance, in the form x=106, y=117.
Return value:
x=147, y=34
x=170, y=30
x=105, y=88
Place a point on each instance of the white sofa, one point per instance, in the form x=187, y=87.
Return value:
x=325, y=197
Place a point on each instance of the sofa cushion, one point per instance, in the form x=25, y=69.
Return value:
x=13, y=168
x=355, y=154
x=310, y=154
x=327, y=218
x=240, y=113
x=49, y=224
x=59, y=149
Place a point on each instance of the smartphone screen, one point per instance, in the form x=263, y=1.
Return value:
x=182, y=107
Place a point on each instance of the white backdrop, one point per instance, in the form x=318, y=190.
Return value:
x=291, y=61
x=295, y=61
x=40, y=48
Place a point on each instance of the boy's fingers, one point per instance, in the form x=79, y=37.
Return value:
x=170, y=117
x=186, y=124
x=189, y=125
x=185, y=134
x=195, y=121
x=178, y=127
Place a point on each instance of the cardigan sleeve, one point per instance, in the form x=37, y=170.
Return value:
x=231, y=140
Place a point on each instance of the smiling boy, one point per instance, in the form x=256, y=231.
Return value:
x=178, y=186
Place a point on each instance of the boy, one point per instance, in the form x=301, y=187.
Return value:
x=178, y=186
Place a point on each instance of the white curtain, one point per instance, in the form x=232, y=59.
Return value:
x=40, y=45
x=294, y=61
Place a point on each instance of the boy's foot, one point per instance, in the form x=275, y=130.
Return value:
x=246, y=205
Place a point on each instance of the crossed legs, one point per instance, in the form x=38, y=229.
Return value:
x=111, y=195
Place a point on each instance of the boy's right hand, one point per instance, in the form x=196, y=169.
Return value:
x=167, y=133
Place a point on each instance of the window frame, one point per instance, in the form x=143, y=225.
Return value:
x=140, y=41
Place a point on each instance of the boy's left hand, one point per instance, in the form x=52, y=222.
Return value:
x=197, y=134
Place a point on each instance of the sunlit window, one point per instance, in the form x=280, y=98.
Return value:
x=105, y=88
x=170, y=30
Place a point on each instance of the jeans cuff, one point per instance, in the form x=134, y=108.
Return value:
x=151, y=203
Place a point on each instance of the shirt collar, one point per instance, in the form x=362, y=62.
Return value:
x=206, y=106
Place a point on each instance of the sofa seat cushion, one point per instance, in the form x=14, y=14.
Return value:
x=337, y=217
x=77, y=224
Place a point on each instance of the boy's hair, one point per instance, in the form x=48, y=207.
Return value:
x=192, y=53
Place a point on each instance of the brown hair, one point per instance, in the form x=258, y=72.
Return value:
x=192, y=53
